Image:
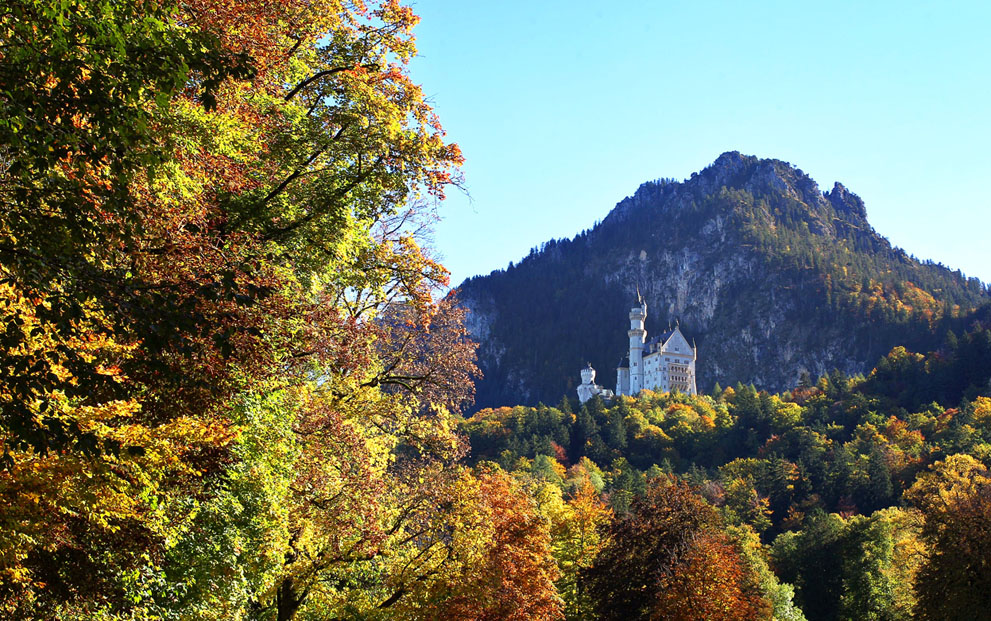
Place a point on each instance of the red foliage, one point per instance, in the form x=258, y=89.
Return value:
x=668, y=559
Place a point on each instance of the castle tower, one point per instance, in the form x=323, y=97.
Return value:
x=588, y=388
x=638, y=336
x=588, y=374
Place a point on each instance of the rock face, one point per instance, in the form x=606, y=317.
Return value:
x=770, y=276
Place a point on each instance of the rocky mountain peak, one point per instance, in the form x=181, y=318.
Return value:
x=758, y=176
x=729, y=166
x=761, y=177
x=731, y=169
x=846, y=202
x=764, y=177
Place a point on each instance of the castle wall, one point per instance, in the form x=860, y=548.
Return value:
x=622, y=381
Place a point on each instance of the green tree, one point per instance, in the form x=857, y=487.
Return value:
x=780, y=594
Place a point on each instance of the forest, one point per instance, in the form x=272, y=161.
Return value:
x=233, y=385
x=845, y=498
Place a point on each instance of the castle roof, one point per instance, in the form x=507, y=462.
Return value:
x=663, y=337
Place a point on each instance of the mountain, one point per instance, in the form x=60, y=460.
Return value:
x=769, y=275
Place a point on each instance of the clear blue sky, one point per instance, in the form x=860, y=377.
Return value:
x=563, y=108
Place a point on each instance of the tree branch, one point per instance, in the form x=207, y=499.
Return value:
x=278, y=232
x=322, y=74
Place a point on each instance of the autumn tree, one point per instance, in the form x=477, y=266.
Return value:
x=208, y=207
x=668, y=558
x=954, y=581
x=86, y=86
x=577, y=526
x=514, y=577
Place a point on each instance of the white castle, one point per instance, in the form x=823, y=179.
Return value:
x=665, y=363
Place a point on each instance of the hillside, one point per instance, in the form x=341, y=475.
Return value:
x=771, y=276
x=869, y=499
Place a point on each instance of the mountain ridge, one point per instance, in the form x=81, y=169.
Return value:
x=748, y=254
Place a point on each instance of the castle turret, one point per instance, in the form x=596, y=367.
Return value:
x=588, y=388
x=588, y=374
x=623, y=377
x=638, y=336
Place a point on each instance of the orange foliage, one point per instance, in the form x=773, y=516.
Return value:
x=514, y=581
x=224, y=239
x=711, y=582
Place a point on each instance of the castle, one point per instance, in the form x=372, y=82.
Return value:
x=664, y=363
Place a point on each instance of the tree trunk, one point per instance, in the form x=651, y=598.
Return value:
x=287, y=600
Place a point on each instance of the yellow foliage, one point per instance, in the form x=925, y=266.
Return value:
x=982, y=412
x=948, y=481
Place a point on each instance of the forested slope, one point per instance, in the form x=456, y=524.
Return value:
x=865, y=497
